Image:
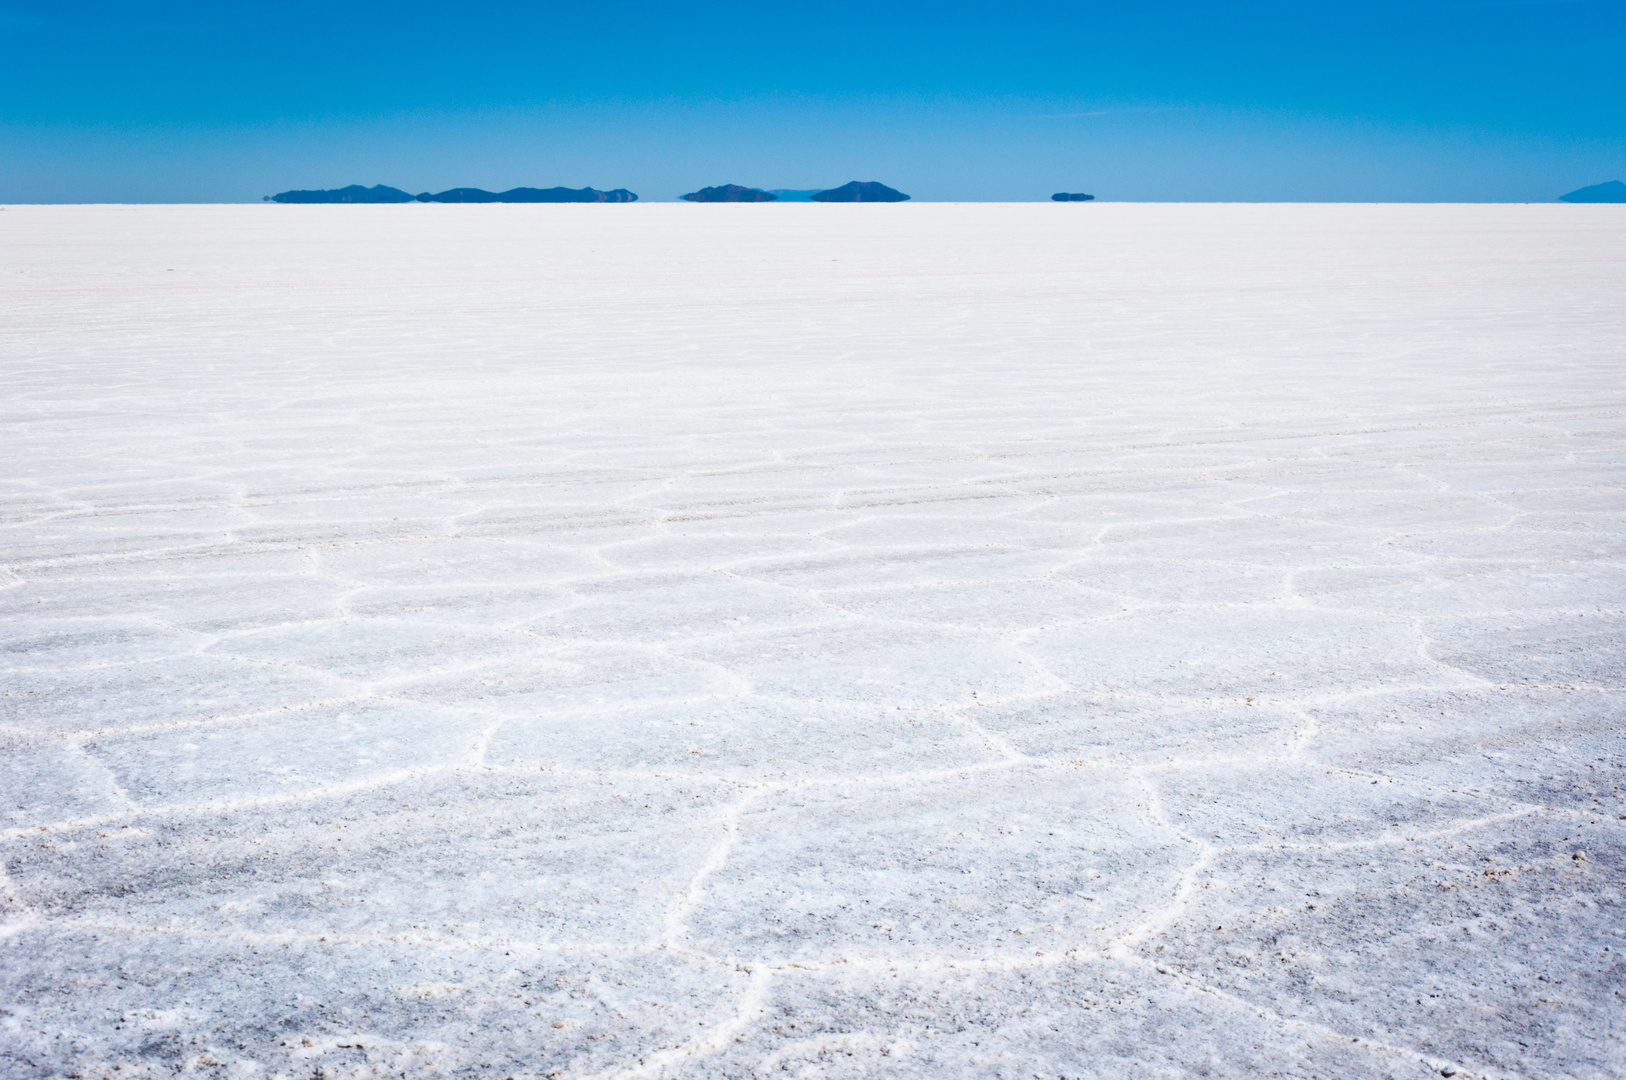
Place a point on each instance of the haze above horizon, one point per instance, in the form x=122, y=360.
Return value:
x=180, y=101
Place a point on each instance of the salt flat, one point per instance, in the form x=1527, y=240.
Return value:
x=820, y=641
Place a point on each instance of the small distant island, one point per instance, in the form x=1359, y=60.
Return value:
x=730, y=193
x=860, y=191
x=1611, y=191
x=1069, y=196
x=379, y=193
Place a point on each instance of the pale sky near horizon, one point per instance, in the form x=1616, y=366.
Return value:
x=180, y=101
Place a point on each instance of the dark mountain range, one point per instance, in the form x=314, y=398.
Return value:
x=1069, y=196
x=730, y=193
x=861, y=191
x=355, y=193
x=1612, y=191
x=530, y=195
x=794, y=194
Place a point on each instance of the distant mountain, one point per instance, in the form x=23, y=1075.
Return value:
x=355, y=193
x=530, y=195
x=1612, y=191
x=861, y=191
x=1069, y=196
x=793, y=195
x=731, y=193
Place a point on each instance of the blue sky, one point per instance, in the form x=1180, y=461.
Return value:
x=174, y=100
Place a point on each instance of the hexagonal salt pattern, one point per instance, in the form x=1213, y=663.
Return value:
x=929, y=641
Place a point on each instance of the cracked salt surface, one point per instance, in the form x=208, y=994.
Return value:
x=565, y=642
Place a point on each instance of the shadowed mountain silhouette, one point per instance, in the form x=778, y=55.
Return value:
x=730, y=193
x=1611, y=191
x=355, y=193
x=861, y=191
x=1070, y=196
x=530, y=195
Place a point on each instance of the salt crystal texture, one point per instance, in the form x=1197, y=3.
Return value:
x=907, y=641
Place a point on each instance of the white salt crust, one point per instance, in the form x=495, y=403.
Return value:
x=1087, y=641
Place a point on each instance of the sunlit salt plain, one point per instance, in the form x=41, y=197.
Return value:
x=935, y=641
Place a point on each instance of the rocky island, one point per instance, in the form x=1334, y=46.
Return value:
x=730, y=193
x=379, y=193
x=861, y=191
x=1070, y=196
x=530, y=195
x=1611, y=191
x=355, y=193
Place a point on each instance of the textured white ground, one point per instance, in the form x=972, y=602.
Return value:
x=942, y=641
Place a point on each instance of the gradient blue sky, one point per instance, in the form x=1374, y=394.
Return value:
x=182, y=101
